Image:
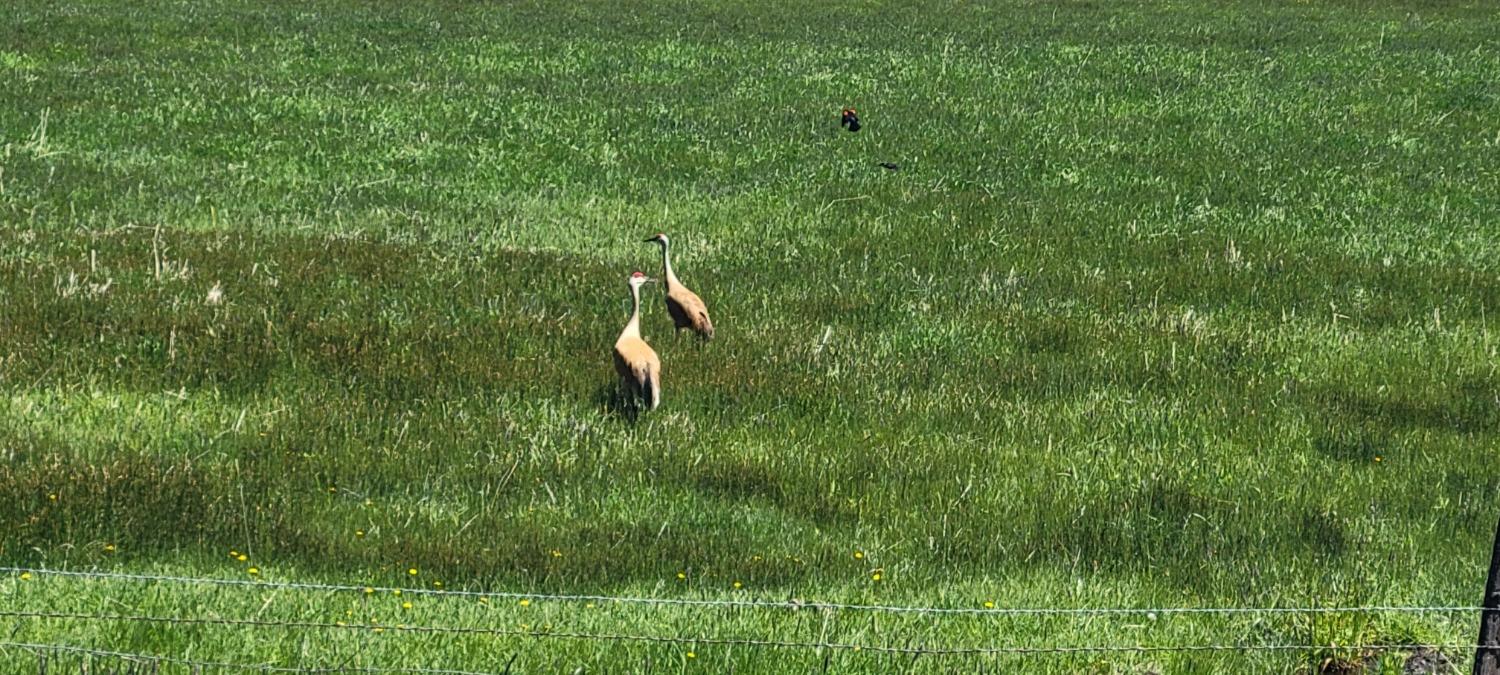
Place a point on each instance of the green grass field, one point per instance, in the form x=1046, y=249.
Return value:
x=1170, y=304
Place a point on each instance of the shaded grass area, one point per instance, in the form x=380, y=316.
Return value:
x=1134, y=437
x=1167, y=305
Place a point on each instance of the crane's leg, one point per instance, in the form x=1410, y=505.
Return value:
x=627, y=398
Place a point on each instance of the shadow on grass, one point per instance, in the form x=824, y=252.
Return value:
x=156, y=508
x=616, y=402
x=1467, y=407
x=1355, y=443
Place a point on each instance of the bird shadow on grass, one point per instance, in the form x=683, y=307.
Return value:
x=616, y=403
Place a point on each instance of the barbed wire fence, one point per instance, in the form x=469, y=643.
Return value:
x=793, y=605
x=42, y=649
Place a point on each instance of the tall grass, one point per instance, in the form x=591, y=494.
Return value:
x=1166, y=305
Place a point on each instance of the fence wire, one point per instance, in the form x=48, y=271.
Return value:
x=149, y=659
x=709, y=640
x=790, y=604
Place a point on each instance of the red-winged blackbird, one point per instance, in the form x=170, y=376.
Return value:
x=851, y=120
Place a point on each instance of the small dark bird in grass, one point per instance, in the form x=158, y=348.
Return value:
x=851, y=119
x=890, y=165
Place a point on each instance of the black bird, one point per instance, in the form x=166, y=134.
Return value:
x=890, y=165
x=851, y=120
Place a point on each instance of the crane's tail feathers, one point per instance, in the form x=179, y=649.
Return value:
x=653, y=388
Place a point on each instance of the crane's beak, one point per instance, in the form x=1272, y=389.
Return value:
x=653, y=239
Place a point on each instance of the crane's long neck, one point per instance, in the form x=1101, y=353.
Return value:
x=633, y=327
x=666, y=264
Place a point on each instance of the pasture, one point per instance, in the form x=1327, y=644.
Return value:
x=1167, y=304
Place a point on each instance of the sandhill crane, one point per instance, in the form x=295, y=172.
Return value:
x=686, y=308
x=635, y=361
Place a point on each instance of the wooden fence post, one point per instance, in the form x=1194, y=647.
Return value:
x=1487, y=654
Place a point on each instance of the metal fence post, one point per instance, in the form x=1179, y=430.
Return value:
x=1487, y=654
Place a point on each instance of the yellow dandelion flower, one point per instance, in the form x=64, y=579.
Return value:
x=369, y=590
x=859, y=555
x=340, y=623
x=681, y=576
x=738, y=585
x=412, y=571
x=52, y=497
x=406, y=605
x=109, y=548
x=556, y=553
x=989, y=604
x=332, y=489
x=359, y=533
x=589, y=606
x=396, y=592
x=484, y=600
x=692, y=655
x=437, y=584
x=253, y=571
x=525, y=602
x=876, y=576
x=25, y=576
x=378, y=629
x=234, y=554
x=242, y=557
x=1378, y=459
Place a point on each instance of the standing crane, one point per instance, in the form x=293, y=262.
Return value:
x=635, y=361
x=686, y=308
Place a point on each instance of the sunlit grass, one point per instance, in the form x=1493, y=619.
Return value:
x=1165, y=306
